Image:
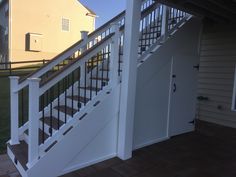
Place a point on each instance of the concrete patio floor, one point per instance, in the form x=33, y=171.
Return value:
x=7, y=168
x=210, y=151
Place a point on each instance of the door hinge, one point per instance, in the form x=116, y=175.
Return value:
x=196, y=67
x=175, y=88
x=192, y=122
x=202, y=98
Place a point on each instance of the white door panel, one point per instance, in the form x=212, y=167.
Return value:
x=183, y=94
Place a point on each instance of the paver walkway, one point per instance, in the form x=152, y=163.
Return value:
x=7, y=168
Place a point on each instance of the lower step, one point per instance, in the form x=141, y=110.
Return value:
x=20, y=152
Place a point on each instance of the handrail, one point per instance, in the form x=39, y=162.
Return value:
x=69, y=68
x=107, y=24
x=116, y=18
x=10, y=68
x=23, y=62
x=56, y=60
x=78, y=45
x=119, y=19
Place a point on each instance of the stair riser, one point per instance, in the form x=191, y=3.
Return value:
x=104, y=73
x=62, y=115
x=46, y=128
x=74, y=103
x=98, y=83
x=87, y=93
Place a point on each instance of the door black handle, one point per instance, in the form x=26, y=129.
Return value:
x=175, y=88
x=202, y=98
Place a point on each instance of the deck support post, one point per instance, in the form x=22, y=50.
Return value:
x=129, y=75
x=33, y=144
x=114, y=61
x=84, y=36
x=164, y=22
x=14, y=96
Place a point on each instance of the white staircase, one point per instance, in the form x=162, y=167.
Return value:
x=57, y=110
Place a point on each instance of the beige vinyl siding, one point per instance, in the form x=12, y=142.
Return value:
x=44, y=17
x=216, y=74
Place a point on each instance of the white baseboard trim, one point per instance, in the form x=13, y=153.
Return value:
x=89, y=163
x=151, y=142
x=180, y=132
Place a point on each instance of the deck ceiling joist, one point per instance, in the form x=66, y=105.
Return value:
x=216, y=10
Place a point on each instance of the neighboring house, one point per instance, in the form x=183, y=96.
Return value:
x=3, y=31
x=36, y=30
x=150, y=75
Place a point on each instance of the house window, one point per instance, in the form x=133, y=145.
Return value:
x=234, y=93
x=65, y=24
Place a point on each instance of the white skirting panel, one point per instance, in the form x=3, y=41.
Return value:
x=154, y=81
x=93, y=140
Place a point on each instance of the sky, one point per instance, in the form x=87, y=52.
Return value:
x=105, y=9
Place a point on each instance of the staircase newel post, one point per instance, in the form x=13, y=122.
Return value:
x=129, y=76
x=33, y=144
x=114, y=57
x=84, y=36
x=14, y=80
x=164, y=23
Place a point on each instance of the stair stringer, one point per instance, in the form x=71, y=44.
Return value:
x=78, y=138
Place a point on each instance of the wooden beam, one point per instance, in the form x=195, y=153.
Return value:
x=226, y=4
x=206, y=13
x=176, y=4
x=194, y=10
x=212, y=8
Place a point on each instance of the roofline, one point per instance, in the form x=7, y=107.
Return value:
x=90, y=11
x=92, y=15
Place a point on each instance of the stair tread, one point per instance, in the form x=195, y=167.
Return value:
x=79, y=98
x=46, y=136
x=92, y=88
x=47, y=120
x=20, y=152
x=100, y=78
x=66, y=109
x=105, y=69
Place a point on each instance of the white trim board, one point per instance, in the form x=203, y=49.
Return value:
x=89, y=163
x=234, y=93
x=151, y=142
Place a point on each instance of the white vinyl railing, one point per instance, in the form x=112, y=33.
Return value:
x=106, y=43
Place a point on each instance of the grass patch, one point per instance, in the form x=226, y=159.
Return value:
x=5, y=103
x=4, y=113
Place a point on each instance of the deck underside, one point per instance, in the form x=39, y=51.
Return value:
x=210, y=151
